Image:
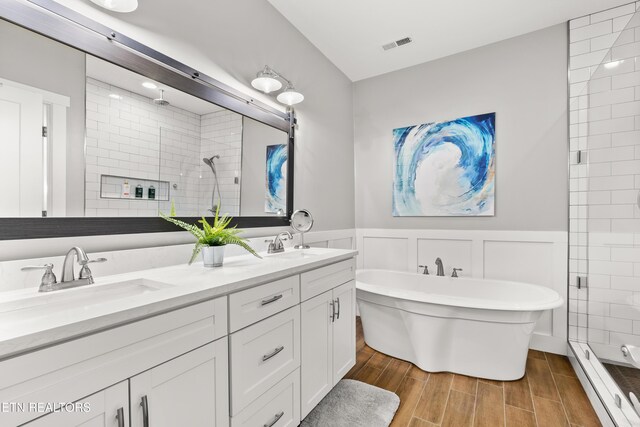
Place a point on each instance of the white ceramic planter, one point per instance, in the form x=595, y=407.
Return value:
x=213, y=256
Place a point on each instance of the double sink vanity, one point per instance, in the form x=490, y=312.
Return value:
x=256, y=342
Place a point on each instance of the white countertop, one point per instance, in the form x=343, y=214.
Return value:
x=25, y=330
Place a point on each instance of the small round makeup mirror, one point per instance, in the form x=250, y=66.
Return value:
x=301, y=221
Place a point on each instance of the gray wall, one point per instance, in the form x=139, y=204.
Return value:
x=524, y=80
x=34, y=60
x=255, y=138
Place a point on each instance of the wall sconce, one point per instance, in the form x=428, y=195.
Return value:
x=268, y=80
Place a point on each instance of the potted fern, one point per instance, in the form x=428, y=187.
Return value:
x=211, y=239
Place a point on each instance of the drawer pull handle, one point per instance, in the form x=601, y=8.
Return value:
x=270, y=300
x=273, y=353
x=144, y=402
x=120, y=417
x=275, y=419
x=338, y=305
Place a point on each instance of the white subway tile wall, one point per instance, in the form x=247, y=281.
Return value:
x=128, y=135
x=604, y=99
x=222, y=136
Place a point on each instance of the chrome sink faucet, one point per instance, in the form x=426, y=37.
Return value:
x=440, y=271
x=67, y=268
x=67, y=280
x=276, y=245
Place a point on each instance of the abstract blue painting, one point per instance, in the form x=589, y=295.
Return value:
x=276, y=179
x=445, y=168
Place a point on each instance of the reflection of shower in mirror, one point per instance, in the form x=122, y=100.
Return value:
x=209, y=161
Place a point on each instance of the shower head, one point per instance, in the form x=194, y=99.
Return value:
x=161, y=100
x=209, y=162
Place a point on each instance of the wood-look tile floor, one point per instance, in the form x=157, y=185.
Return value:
x=549, y=395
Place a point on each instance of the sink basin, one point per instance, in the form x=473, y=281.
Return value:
x=37, y=306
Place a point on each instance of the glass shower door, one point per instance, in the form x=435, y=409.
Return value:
x=605, y=224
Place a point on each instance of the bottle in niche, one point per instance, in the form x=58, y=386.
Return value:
x=126, y=190
x=139, y=191
x=152, y=192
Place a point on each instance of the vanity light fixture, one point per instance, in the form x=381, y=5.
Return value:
x=268, y=80
x=290, y=96
x=150, y=85
x=123, y=6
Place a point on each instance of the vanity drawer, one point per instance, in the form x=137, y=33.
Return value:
x=320, y=280
x=278, y=407
x=262, y=355
x=252, y=305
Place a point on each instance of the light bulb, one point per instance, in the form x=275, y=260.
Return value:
x=266, y=81
x=290, y=96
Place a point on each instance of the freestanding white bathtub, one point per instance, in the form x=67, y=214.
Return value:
x=474, y=327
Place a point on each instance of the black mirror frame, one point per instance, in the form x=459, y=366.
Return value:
x=52, y=20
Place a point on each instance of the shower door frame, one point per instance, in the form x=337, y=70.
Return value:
x=602, y=390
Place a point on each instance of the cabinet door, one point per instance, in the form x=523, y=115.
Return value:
x=316, y=378
x=190, y=390
x=106, y=408
x=344, y=330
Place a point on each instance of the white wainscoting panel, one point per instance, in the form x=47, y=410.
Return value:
x=457, y=253
x=524, y=256
x=387, y=253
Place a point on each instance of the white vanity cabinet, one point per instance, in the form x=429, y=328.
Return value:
x=295, y=357
x=263, y=355
x=328, y=342
x=158, y=355
x=190, y=390
x=106, y=408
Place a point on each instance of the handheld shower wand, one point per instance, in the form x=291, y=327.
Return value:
x=216, y=187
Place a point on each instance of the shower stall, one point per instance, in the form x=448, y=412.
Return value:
x=604, y=200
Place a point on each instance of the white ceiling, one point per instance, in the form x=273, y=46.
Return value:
x=351, y=32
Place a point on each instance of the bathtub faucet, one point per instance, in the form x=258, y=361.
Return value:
x=440, y=267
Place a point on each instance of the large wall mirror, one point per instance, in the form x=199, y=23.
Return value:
x=97, y=131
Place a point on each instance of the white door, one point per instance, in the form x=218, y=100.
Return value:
x=344, y=330
x=21, y=174
x=107, y=408
x=316, y=376
x=190, y=390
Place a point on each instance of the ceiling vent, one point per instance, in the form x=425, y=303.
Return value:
x=397, y=43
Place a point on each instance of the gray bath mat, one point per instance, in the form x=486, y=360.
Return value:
x=354, y=404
